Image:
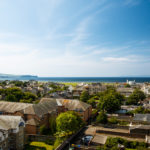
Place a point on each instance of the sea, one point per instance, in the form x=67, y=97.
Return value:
x=82, y=79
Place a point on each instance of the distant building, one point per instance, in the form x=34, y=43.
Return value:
x=131, y=82
x=146, y=89
x=125, y=91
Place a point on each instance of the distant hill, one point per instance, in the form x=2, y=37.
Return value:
x=17, y=77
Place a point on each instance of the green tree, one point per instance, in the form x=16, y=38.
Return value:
x=92, y=101
x=135, y=97
x=28, y=95
x=68, y=122
x=110, y=101
x=11, y=98
x=84, y=97
x=102, y=118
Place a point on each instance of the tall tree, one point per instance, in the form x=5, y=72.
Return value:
x=84, y=97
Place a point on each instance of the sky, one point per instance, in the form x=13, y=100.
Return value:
x=75, y=38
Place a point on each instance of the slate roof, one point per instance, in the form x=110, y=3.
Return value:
x=10, y=122
x=142, y=117
x=70, y=104
x=74, y=104
x=13, y=107
x=33, y=109
x=46, y=105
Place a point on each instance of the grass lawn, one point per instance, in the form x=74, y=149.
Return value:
x=42, y=144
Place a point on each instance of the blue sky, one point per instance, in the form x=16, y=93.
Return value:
x=75, y=37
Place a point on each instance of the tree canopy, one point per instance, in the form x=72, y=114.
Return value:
x=110, y=101
x=84, y=97
x=135, y=97
x=102, y=118
x=68, y=122
x=17, y=95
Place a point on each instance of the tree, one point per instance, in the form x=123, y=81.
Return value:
x=110, y=101
x=135, y=97
x=92, y=101
x=68, y=122
x=84, y=97
x=17, y=95
x=11, y=98
x=102, y=118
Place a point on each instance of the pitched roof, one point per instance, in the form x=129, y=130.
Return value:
x=13, y=107
x=33, y=109
x=74, y=104
x=41, y=108
x=70, y=104
x=10, y=122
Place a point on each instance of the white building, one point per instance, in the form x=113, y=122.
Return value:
x=131, y=82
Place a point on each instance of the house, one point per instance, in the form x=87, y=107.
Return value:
x=36, y=115
x=125, y=91
x=12, y=129
x=131, y=82
x=146, y=89
x=83, y=109
x=94, y=88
